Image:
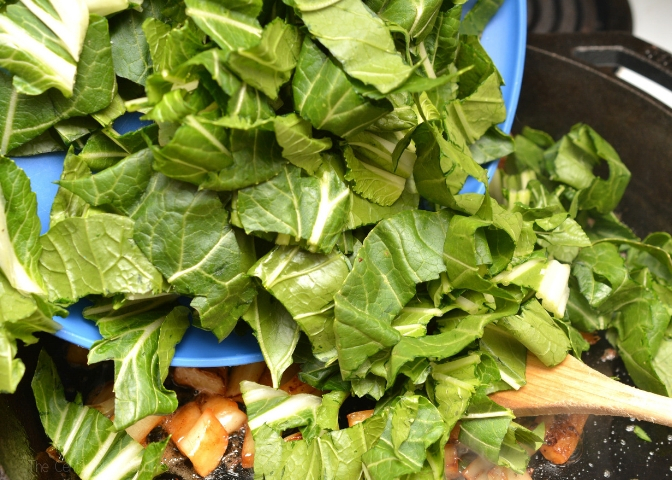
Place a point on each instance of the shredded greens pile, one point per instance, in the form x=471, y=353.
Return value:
x=277, y=188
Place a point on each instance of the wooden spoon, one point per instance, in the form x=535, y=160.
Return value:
x=574, y=387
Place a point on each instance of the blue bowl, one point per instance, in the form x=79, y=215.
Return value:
x=504, y=39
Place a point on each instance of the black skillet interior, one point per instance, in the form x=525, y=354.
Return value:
x=569, y=79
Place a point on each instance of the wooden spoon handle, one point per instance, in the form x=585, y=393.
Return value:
x=573, y=387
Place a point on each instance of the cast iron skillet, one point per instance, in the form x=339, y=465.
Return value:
x=568, y=79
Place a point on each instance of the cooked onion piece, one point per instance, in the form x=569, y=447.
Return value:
x=478, y=469
x=250, y=372
x=293, y=437
x=205, y=443
x=200, y=380
x=501, y=473
x=563, y=433
x=247, y=453
x=451, y=462
x=140, y=429
x=180, y=422
x=226, y=411
x=358, y=417
x=102, y=399
x=77, y=355
x=294, y=386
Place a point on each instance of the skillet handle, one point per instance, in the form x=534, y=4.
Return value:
x=609, y=50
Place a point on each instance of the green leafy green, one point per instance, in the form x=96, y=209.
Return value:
x=312, y=209
x=40, y=48
x=20, y=317
x=535, y=329
x=478, y=17
x=89, y=444
x=380, y=284
x=256, y=159
x=478, y=92
x=414, y=317
x=231, y=29
x=170, y=47
x=455, y=335
x=641, y=433
x=509, y=354
x=324, y=95
x=130, y=49
x=576, y=155
x=213, y=270
x=142, y=344
x=276, y=332
x=517, y=442
x=441, y=43
x=413, y=424
x=278, y=409
x=106, y=7
x=95, y=255
x=335, y=454
x=476, y=246
x=120, y=186
x=416, y=17
x=305, y=283
x=484, y=427
x=549, y=279
x=641, y=325
x=599, y=272
x=494, y=144
x=661, y=364
x=20, y=248
x=24, y=117
x=269, y=64
x=616, y=280
x=197, y=148
x=364, y=212
x=359, y=41
x=373, y=183
x=106, y=147
x=454, y=383
x=294, y=135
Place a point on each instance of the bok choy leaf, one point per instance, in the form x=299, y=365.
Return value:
x=85, y=437
x=141, y=342
x=380, y=284
x=305, y=283
x=360, y=41
x=20, y=317
x=318, y=78
x=276, y=332
x=25, y=116
x=95, y=255
x=312, y=209
x=20, y=247
x=213, y=270
x=41, y=44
